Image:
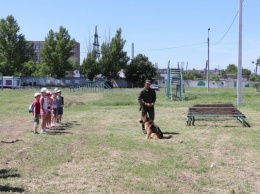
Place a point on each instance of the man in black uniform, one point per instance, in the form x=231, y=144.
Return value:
x=147, y=98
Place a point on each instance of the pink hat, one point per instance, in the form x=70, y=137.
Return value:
x=44, y=90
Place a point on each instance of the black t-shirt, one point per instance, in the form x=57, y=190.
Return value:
x=147, y=96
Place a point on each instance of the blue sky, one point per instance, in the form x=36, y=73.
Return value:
x=162, y=30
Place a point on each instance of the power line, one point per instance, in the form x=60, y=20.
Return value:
x=197, y=43
x=189, y=45
x=159, y=49
x=228, y=28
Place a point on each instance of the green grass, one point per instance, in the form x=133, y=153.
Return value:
x=100, y=147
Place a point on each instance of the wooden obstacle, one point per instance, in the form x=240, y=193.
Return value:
x=215, y=110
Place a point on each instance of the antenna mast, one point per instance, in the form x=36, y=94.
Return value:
x=96, y=44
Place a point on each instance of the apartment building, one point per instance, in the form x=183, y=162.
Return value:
x=38, y=45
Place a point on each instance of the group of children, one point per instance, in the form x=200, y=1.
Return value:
x=48, y=106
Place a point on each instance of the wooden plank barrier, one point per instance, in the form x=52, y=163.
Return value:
x=215, y=110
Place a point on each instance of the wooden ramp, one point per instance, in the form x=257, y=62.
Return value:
x=215, y=110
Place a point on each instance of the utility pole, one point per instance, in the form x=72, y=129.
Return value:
x=206, y=70
x=239, y=72
x=133, y=51
x=208, y=59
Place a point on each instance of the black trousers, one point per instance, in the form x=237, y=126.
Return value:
x=149, y=111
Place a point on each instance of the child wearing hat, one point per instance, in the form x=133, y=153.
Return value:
x=36, y=112
x=54, y=108
x=44, y=109
x=48, y=117
x=60, y=104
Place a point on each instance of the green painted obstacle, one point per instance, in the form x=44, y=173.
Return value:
x=91, y=86
x=174, y=84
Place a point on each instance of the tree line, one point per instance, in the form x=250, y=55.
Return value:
x=17, y=57
x=230, y=70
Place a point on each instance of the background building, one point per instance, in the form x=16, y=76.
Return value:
x=38, y=45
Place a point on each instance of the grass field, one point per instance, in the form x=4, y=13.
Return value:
x=100, y=147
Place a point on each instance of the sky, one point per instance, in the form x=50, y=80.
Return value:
x=165, y=31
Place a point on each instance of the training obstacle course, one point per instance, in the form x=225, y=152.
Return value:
x=91, y=86
x=215, y=110
x=174, y=84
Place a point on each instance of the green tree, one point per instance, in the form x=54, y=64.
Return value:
x=246, y=72
x=257, y=63
x=40, y=70
x=56, y=52
x=214, y=77
x=231, y=69
x=90, y=66
x=192, y=75
x=254, y=77
x=223, y=73
x=49, y=56
x=74, y=63
x=113, y=57
x=28, y=69
x=14, y=49
x=139, y=70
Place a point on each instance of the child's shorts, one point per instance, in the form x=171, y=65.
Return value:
x=36, y=120
x=44, y=112
x=60, y=110
x=55, y=111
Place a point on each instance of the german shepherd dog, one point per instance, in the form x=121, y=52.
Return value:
x=152, y=130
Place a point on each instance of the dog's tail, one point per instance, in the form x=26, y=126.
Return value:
x=167, y=137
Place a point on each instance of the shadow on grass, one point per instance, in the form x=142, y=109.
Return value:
x=60, y=128
x=6, y=173
x=67, y=125
x=11, y=189
x=205, y=125
x=60, y=132
x=229, y=125
x=171, y=133
x=13, y=141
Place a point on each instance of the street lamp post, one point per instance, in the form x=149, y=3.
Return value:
x=208, y=60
